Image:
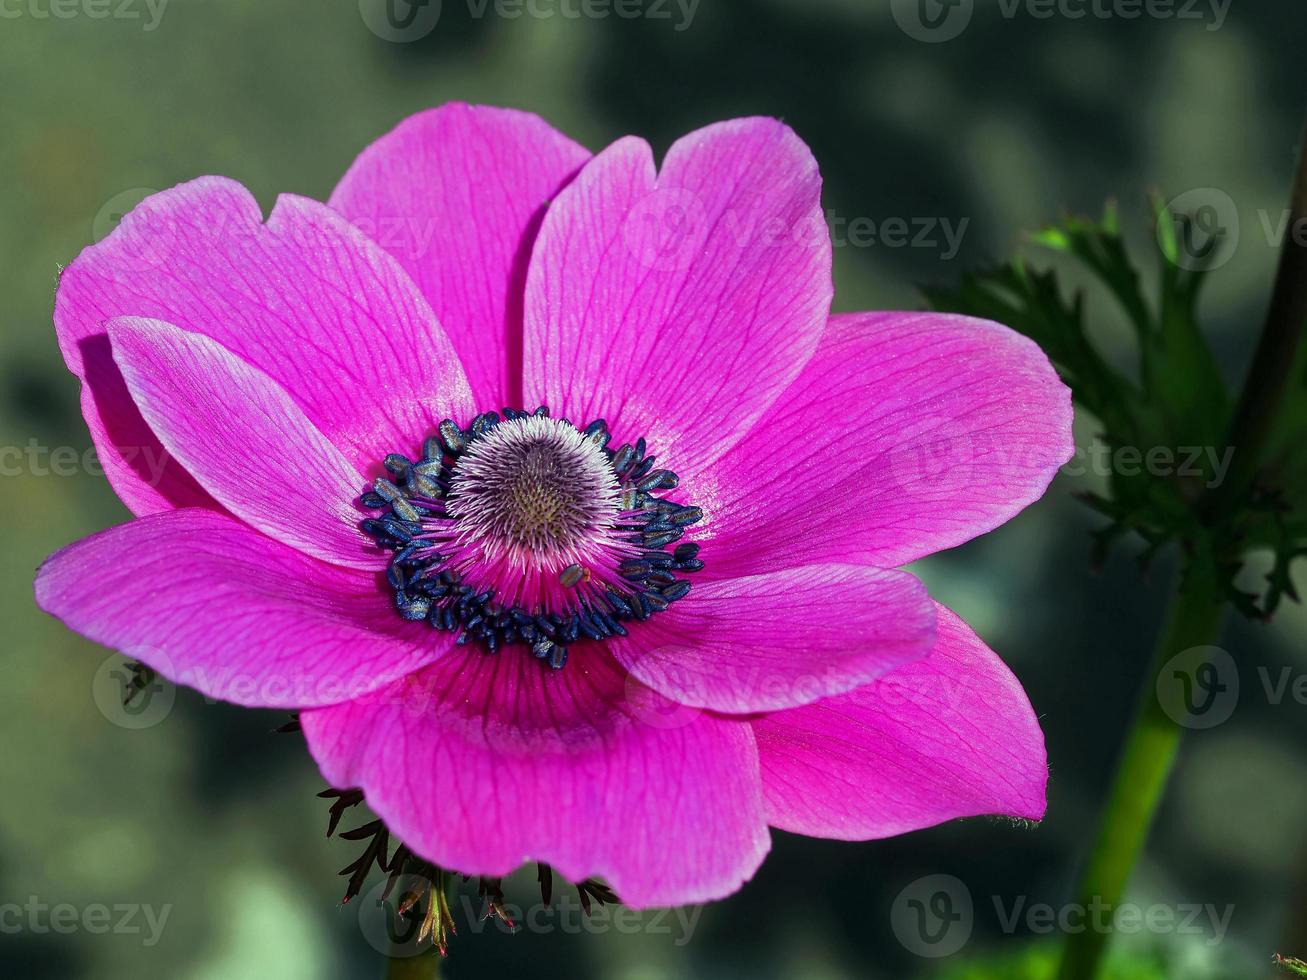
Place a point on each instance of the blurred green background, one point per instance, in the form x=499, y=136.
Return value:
x=1002, y=127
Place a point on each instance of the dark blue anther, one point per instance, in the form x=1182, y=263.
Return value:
x=424, y=486
x=656, y=602
x=588, y=626
x=571, y=630
x=412, y=607
x=677, y=590
x=396, y=529
x=634, y=568
x=452, y=436
x=624, y=458
x=622, y=607
x=397, y=464
x=483, y=423
x=658, y=480
x=660, y=539
x=405, y=511
x=642, y=609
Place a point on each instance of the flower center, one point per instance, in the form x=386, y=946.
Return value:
x=534, y=489
x=528, y=530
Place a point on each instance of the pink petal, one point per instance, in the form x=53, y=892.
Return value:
x=456, y=195
x=949, y=736
x=213, y=605
x=678, y=304
x=905, y=434
x=481, y=763
x=243, y=438
x=306, y=298
x=783, y=639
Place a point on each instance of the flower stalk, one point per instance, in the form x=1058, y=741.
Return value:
x=1274, y=359
x=1146, y=762
x=1199, y=604
x=424, y=967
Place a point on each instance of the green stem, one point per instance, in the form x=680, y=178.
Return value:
x=1147, y=760
x=425, y=966
x=1269, y=374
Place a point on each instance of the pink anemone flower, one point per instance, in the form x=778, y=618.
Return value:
x=547, y=489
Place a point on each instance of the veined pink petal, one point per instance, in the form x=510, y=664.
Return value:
x=949, y=736
x=213, y=605
x=245, y=440
x=907, y=433
x=456, y=195
x=481, y=763
x=306, y=298
x=766, y=642
x=678, y=304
